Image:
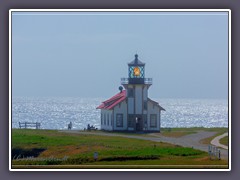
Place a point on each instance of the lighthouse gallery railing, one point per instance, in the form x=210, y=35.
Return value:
x=146, y=80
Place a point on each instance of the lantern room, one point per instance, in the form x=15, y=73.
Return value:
x=136, y=71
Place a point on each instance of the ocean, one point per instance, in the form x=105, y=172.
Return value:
x=56, y=113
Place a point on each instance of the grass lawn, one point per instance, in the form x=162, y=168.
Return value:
x=177, y=132
x=172, y=132
x=224, y=141
x=219, y=131
x=54, y=149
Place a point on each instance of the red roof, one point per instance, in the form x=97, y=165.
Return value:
x=113, y=101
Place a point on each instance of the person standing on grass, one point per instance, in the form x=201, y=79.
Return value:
x=70, y=126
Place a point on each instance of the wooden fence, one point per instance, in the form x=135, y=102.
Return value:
x=214, y=152
x=26, y=125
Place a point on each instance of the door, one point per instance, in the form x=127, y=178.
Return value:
x=139, y=123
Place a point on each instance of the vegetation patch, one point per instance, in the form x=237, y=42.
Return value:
x=224, y=141
x=219, y=131
x=53, y=148
x=18, y=153
x=127, y=158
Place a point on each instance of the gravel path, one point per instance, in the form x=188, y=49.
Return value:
x=191, y=140
x=216, y=140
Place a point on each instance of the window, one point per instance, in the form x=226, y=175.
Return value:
x=130, y=92
x=111, y=120
x=130, y=121
x=136, y=72
x=104, y=119
x=101, y=119
x=153, y=120
x=119, y=120
x=108, y=120
x=145, y=120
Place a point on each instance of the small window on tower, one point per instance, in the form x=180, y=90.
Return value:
x=130, y=92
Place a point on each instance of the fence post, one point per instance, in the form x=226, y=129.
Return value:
x=217, y=151
x=214, y=152
x=209, y=149
x=25, y=125
x=219, y=154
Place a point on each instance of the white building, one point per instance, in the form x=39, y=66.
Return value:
x=131, y=109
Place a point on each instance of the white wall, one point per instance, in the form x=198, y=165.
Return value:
x=122, y=109
x=108, y=113
x=153, y=110
x=138, y=99
x=130, y=105
x=145, y=93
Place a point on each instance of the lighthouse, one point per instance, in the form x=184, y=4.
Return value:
x=131, y=109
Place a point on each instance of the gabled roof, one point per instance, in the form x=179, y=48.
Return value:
x=157, y=104
x=118, y=98
x=136, y=62
x=113, y=101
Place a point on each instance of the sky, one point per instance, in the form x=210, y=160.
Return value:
x=85, y=54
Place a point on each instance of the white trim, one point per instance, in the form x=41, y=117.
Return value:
x=120, y=14
x=121, y=10
x=229, y=89
x=10, y=90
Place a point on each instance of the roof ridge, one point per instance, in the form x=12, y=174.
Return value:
x=113, y=101
x=118, y=95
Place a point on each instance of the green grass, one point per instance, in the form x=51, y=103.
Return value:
x=219, y=131
x=224, y=141
x=179, y=132
x=169, y=132
x=57, y=148
x=164, y=132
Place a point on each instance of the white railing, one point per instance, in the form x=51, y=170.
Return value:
x=146, y=80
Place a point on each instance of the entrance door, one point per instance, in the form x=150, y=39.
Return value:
x=139, y=123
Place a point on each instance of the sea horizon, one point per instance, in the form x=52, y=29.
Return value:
x=57, y=112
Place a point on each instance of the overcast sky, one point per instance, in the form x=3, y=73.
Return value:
x=86, y=54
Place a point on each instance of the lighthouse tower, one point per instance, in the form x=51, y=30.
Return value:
x=137, y=86
x=131, y=109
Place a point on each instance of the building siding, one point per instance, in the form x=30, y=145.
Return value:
x=145, y=93
x=106, y=114
x=120, y=109
x=130, y=105
x=153, y=109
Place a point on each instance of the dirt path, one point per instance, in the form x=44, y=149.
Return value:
x=191, y=140
x=216, y=140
